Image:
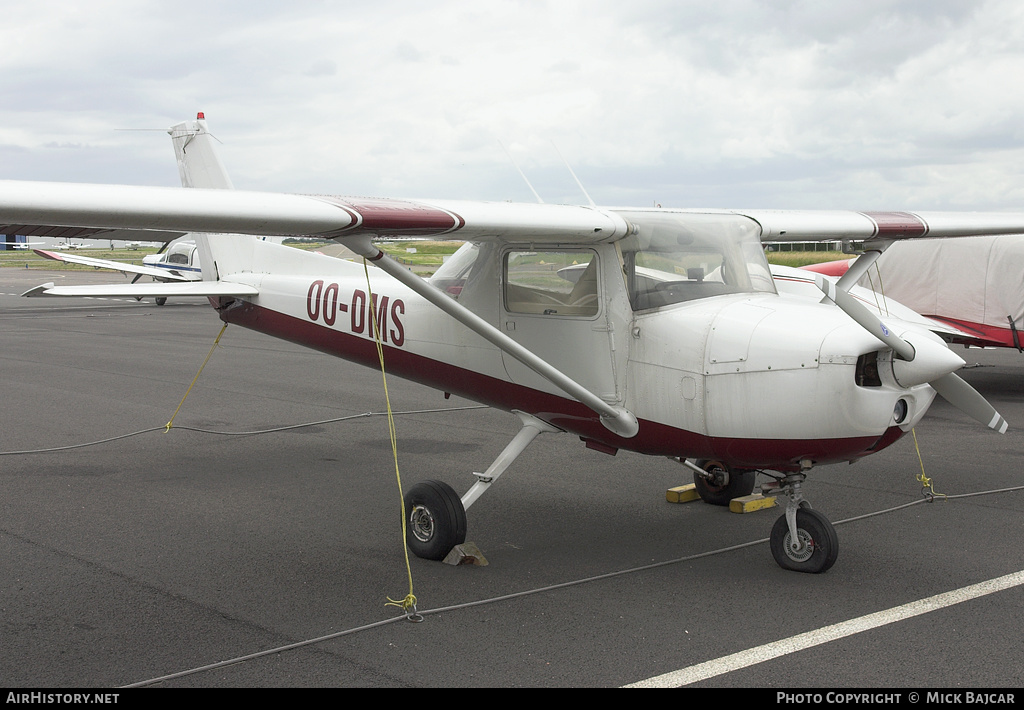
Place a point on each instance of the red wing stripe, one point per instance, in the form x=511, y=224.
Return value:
x=897, y=225
x=395, y=217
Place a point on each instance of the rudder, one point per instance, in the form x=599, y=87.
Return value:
x=199, y=163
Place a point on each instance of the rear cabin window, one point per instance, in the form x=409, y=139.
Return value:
x=551, y=283
x=456, y=271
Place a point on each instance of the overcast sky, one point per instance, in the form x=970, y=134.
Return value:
x=733, y=103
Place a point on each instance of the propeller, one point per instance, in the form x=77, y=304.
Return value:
x=965, y=398
x=919, y=359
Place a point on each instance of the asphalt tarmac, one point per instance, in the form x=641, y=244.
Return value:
x=154, y=559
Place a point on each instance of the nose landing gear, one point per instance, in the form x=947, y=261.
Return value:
x=802, y=539
x=813, y=549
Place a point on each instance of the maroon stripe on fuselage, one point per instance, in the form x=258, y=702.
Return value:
x=654, y=438
x=896, y=225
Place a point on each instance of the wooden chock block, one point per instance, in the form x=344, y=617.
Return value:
x=748, y=504
x=682, y=494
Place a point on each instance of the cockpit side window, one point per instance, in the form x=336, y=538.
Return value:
x=551, y=283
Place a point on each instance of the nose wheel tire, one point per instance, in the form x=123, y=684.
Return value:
x=816, y=547
x=436, y=520
x=724, y=484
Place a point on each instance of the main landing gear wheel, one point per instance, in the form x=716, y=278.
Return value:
x=817, y=545
x=723, y=483
x=436, y=520
x=160, y=300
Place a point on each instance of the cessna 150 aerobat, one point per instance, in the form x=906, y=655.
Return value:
x=654, y=330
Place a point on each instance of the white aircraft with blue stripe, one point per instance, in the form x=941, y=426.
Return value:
x=199, y=166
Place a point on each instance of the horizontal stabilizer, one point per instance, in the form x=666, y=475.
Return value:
x=144, y=290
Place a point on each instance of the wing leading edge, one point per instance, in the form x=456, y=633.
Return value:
x=275, y=214
x=84, y=206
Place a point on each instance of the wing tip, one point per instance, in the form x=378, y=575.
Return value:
x=39, y=290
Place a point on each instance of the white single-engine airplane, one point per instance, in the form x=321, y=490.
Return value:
x=655, y=330
x=177, y=264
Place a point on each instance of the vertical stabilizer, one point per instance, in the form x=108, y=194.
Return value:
x=199, y=162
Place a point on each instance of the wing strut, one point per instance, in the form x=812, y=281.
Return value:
x=616, y=419
x=860, y=266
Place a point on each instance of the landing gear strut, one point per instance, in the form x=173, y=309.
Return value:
x=436, y=516
x=813, y=549
x=802, y=540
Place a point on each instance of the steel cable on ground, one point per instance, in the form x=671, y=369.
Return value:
x=538, y=590
x=272, y=430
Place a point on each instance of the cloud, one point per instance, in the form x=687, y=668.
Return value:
x=797, y=104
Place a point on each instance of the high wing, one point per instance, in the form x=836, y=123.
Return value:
x=828, y=225
x=275, y=214
x=164, y=274
x=66, y=205
x=355, y=221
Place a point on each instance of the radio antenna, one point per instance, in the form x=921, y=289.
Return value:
x=569, y=168
x=521, y=173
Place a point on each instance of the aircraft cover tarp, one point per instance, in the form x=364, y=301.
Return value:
x=976, y=279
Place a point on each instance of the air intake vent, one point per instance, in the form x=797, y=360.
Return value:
x=867, y=370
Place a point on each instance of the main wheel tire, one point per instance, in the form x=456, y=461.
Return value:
x=160, y=300
x=821, y=544
x=436, y=520
x=741, y=483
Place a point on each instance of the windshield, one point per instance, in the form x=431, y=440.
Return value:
x=679, y=256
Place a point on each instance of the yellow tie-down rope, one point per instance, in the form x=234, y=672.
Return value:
x=926, y=483
x=196, y=378
x=409, y=602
